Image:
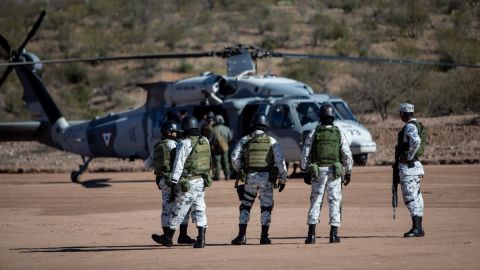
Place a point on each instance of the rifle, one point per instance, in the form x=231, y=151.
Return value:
x=173, y=194
x=395, y=182
x=240, y=188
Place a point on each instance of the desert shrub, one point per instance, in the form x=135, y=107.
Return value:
x=409, y=17
x=327, y=28
x=184, y=67
x=311, y=72
x=381, y=88
x=457, y=47
x=75, y=73
x=405, y=48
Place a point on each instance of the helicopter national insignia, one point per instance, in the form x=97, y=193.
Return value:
x=106, y=137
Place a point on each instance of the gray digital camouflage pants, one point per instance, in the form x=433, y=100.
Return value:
x=325, y=181
x=412, y=196
x=194, y=198
x=257, y=183
x=166, y=205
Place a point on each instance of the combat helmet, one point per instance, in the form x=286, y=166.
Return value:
x=259, y=120
x=170, y=126
x=189, y=122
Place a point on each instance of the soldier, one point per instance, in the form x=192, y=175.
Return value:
x=410, y=147
x=221, y=136
x=163, y=156
x=260, y=158
x=327, y=156
x=190, y=176
x=207, y=124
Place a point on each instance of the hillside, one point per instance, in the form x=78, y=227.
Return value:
x=441, y=30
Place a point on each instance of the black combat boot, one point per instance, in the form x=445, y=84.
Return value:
x=183, y=238
x=333, y=235
x=417, y=230
x=241, y=239
x=311, y=234
x=166, y=239
x=264, y=240
x=200, y=243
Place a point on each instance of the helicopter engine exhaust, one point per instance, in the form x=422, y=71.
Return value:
x=204, y=88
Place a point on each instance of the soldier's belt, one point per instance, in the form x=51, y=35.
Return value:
x=257, y=169
x=414, y=159
x=193, y=177
x=325, y=165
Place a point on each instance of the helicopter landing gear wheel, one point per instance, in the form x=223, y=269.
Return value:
x=74, y=176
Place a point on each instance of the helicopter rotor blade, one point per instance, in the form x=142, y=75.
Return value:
x=118, y=58
x=5, y=45
x=369, y=60
x=32, y=32
x=5, y=75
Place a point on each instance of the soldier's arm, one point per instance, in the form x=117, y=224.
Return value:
x=307, y=146
x=414, y=140
x=148, y=163
x=237, y=154
x=183, y=150
x=346, y=154
x=279, y=159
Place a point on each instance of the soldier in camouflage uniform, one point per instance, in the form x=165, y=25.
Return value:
x=221, y=137
x=260, y=158
x=410, y=147
x=190, y=176
x=160, y=161
x=326, y=156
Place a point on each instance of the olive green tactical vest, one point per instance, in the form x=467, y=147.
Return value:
x=326, y=146
x=258, y=154
x=198, y=162
x=403, y=147
x=161, y=158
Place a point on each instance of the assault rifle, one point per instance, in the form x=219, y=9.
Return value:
x=395, y=182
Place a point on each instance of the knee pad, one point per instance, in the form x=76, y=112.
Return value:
x=245, y=207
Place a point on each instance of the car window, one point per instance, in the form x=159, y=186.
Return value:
x=281, y=117
x=307, y=112
x=343, y=111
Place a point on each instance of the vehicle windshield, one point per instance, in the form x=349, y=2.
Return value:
x=343, y=112
x=307, y=112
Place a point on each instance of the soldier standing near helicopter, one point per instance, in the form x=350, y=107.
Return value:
x=161, y=162
x=326, y=154
x=410, y=147
x=190, y=176
x=260, y=158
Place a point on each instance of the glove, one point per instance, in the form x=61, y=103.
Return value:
x=240, y=191
x=157, y=180
x=411, y=163
x=347, y=179
x=307, y=178
x=281, y=187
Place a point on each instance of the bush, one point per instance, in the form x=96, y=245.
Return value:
x=410, y=16
x=327, y=28
x=311, y=72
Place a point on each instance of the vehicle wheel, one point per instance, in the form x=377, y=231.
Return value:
x=360, y=160
x=74, y=176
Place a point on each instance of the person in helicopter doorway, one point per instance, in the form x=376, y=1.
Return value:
x=221, y=137
x=259, y=161
x=190, y=175
x=161, y=162
x=410, y=147
x=326, y=157
x=207, y=125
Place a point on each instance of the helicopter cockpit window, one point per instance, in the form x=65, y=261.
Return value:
x=281, y=117
x=343, y=111
x=307, y=112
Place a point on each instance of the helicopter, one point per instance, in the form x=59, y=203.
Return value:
x=291, y=106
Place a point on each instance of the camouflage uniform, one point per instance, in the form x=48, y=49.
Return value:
x=166, y=204
x=410, y=177
x=326, y=180
x=194, y=197
x=258, y=182
x=220, y=153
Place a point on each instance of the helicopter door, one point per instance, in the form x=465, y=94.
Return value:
x=283, y=129
x=246, y=118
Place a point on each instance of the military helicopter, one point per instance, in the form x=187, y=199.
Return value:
x=291, y=106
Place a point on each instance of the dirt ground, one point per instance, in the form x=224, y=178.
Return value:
x=46, y=222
